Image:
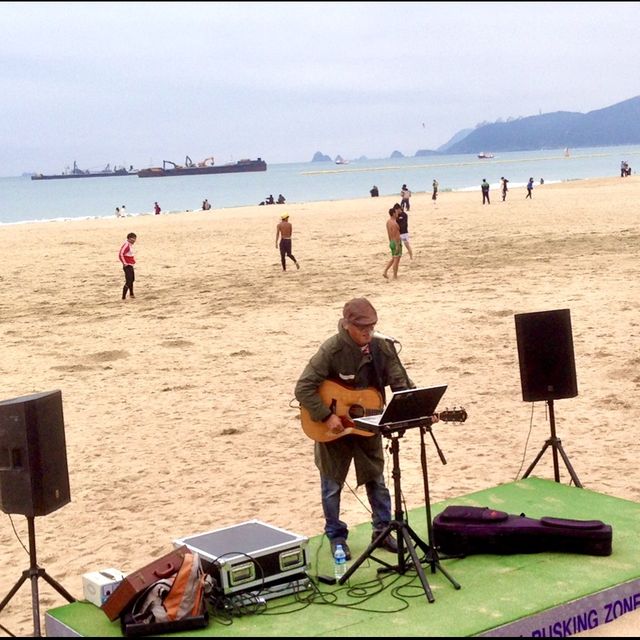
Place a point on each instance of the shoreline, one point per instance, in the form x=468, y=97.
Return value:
x=142, y=214
x=178, y=405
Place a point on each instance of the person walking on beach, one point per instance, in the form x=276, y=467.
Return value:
x=118, y=214
x=205, y=205
x=128, y=259
x=484, y=186
x=405, y=194
x=529, y=188
x=156, y=208
x=284, y=230
x=123, y=211
x=504, y=183
x=361, y=361
x=434, y=195
x=395, y=244
x=403, y=222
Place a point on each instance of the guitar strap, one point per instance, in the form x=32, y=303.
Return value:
x=376, y=360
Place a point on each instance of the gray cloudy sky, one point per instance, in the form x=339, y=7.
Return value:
x=141, y=82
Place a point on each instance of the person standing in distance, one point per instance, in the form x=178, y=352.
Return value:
x=359, y=361
x=156, y=208
x=504, y=183
x=128, y=259
x=435, y=186
x=403, y=222
x=484, y=186
x=395, y=244
x=405, y=194
x=284, y=230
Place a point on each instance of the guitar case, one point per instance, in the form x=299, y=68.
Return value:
x=464, y=530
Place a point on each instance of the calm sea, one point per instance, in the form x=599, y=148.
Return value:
x=26, y=200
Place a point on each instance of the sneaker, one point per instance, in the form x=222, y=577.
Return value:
x=335, y=542
x=388, y=544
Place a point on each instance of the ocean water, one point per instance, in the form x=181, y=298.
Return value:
x=25, y=200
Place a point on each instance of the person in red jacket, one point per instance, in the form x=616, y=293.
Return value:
x=128, y=259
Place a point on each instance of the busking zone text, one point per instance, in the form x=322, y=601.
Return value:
x=589, y=619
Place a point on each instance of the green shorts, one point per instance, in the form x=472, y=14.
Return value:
x=396, y=248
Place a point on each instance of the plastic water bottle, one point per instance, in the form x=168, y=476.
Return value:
x=340, y=562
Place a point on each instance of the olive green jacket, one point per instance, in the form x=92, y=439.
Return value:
x=340, y=359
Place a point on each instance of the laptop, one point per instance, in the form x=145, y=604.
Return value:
x=404, y=407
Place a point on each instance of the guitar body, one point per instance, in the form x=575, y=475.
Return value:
x=347, y=404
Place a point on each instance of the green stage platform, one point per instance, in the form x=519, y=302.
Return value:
x=535, y=595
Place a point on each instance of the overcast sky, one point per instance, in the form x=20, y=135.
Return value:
x=141, y=82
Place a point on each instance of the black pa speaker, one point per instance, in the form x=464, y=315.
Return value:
x=545, y=351
x=34, y=479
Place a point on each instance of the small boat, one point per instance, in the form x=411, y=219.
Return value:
x=340, y=160
x=485, y=156
x=107, y=172
x=207, y=166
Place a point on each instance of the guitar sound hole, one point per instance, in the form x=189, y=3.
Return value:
x=356, y=411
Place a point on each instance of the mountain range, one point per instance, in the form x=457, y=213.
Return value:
x=616, y=125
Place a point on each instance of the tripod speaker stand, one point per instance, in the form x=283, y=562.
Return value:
x=33, y=573
x=556, y=447
x=406, y=537
x=547, y=370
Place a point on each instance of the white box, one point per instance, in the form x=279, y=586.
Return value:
x=99, y=585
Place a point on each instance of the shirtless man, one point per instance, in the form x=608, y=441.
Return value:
x=395, y=243
x=284, y=229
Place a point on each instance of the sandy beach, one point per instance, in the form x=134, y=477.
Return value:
x=178, y=405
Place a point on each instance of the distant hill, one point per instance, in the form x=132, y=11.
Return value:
x=612, y=126
x=426, y=152
x=618, y=124
x=444, y=148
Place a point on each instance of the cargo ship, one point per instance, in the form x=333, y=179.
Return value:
x=107, y=172
x=205, y=167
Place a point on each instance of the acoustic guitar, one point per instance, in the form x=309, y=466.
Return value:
x=349, y=404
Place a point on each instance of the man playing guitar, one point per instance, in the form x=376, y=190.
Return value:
x=357, y=360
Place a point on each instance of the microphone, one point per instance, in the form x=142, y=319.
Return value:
x=377, y=334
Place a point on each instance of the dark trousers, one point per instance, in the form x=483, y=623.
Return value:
x=485, y=196
x=129, y=279
x=285, y=250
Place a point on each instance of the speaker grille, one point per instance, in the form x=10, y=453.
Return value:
x=34, y=479
x=545, y=353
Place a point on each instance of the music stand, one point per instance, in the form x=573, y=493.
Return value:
x=405, y=535
x=33, y=573
x=556, y=446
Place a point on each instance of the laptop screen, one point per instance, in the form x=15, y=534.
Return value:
x=409, y=404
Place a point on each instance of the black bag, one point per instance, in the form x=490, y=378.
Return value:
x=463, y=530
